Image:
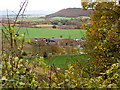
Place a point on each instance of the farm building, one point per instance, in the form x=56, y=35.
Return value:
x=60, y=42
x=66, y=42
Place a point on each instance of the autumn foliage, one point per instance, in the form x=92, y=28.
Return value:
x=103, y=44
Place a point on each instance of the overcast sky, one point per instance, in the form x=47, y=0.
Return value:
x=40, y=4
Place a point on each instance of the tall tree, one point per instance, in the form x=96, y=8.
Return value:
x=103, y=44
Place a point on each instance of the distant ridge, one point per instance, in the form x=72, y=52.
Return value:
x=71, y=12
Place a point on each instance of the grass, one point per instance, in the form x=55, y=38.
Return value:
x=50, y=32
x=63, y=61
x=61, y=18
x=81, y=50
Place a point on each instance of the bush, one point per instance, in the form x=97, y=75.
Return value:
x=24, y=53
x=54, y=26
x=103, y=37
x=45, y=55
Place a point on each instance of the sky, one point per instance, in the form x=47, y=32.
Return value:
x=45, y=5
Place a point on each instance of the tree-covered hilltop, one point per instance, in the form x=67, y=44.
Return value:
x=71, y=12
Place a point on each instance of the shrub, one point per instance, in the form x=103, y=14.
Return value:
x=45, y=55
x=54, y=26
x=103, y=36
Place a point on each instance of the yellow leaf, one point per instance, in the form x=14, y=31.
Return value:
x=11, y=28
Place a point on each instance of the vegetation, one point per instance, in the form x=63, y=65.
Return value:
x=71, y=12
x=99, y=69
x=15, y=73
x=103, y=44
x=50, y=32
x=32, y=19
x=61, y=18
x=64, y=61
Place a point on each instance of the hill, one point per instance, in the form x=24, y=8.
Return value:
x=71, y=12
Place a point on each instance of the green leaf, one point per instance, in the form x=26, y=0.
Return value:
x=117, y=60
x=73, y=86
x=54, y=85
x=61, y=83
x=0, y=72
x=4, y=78
x=102, y=29
x=105, y=29
x=17, y=34
x=66, y=80
x=20, y=87
x=11, y=80
x=99, y=29
x=29, y=41
x=17, y=72
x=21, y=83
x=104, y=41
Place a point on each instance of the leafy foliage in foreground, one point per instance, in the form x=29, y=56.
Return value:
x=74, y=77
x=103, y=44
x=16, y=73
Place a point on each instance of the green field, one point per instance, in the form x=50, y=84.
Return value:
x=63, y=61
x=61, y=18
x=43, y=19
x=50, y=32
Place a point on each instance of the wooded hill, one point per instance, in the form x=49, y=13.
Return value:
x=71, y=12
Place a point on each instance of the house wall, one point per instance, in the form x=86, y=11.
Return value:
x=66, y=42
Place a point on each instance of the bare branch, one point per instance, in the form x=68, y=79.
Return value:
x=24, y=4
x=24, y=8
x=8, y=20
x=21, y=7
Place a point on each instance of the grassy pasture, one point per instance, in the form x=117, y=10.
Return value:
x=50, y=32
x=63, y=61
x=61, y=18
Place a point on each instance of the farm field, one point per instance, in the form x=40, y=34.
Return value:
x=43, y=19
x=53, y=18
x=63, y=61
x=61, y=18
x=67, y=18
x=50, y=32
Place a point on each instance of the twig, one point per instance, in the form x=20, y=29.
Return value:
x=8, y=21
x=5, y=35
x=24, y=8
x=23, y=12
x=23, y=41
x=19, y=12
